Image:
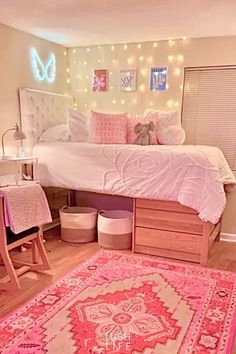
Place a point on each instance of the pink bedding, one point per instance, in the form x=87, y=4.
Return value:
x=192, y=175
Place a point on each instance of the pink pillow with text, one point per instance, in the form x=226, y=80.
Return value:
x=132, y=136
x=108, y=128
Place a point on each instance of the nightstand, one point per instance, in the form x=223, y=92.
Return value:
x=26, y=170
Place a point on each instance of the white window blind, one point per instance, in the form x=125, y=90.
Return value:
x=209, y=108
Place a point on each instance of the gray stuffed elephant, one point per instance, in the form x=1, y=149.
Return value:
x=143, y=131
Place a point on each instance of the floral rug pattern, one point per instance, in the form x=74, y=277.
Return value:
x=125, y=303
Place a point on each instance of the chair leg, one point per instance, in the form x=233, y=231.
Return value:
x=10, y=270
x=34, y=252
x=42, y=252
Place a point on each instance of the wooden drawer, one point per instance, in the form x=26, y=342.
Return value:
x=170, y=221
x=164, y=205
x=168, y=240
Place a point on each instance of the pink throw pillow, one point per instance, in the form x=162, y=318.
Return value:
x=108, y=128
x=132, y=136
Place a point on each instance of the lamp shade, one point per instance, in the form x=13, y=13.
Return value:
x=18, y=134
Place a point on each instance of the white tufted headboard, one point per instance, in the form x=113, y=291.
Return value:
x=41, y=110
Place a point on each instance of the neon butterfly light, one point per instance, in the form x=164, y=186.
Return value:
x=42, y=71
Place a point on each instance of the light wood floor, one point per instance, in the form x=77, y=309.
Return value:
x=64, y=257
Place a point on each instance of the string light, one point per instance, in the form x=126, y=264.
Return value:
x=67, y=70
x=176, y=104
x=65, y=53
x=112, y=47
x=85, y=63
x=139, y=46
x=74, y=61
x=150, y=59
x=85, y=105
x=142, y=87
x=134, y=101
x=122, y=101
x=114, y=101
x=88, y=49
x=74, y=50
x=111, y=88
x=184, y=38
x=141, y=58
x=177, y=71
x=180, y=57
x=113, y=61
x=155, y=45
x=181, y=87
x=68, y=81
x=85, y=90
x=125, y=47
x=169, y=103
x=130, y=60
x=111, y=73
x=151, y=104
x=87, y=76
x=171, y=43
x=77, y=76
x=136, y=116
x=144, y=71
x=99, y=60
x=170, y=58
x=99, y=47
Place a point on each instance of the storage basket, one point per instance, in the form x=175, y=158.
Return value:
x=115, y=229
x=78, y=224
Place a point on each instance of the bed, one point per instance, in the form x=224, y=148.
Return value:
x=178, y=192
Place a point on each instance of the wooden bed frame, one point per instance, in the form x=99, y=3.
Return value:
x=169, y=229
x=161, y=228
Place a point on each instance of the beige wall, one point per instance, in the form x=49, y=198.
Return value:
x=174, y=54
x=16, y=72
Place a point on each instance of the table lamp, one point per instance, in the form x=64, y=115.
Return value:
x=18, y=135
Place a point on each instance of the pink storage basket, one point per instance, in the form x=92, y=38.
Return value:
x=78, y=224
x=115, y=229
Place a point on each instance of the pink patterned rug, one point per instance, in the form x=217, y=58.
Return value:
x=124, y=303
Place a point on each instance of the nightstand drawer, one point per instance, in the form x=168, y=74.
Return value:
x=168, y=240
x=170, y=221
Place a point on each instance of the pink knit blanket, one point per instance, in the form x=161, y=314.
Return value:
x=25, y=206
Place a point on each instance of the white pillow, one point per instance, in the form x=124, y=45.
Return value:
x=79, y=125
x=57, y=133
x=165, y=118
x=173, y=135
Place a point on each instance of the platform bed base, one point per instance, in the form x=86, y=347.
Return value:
x=168, y=229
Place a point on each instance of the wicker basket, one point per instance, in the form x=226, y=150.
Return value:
x=115, y=229
x=78, y=224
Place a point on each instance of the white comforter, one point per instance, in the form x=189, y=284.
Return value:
x=192, y=175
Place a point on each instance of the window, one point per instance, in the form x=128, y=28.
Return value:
x=209, y=108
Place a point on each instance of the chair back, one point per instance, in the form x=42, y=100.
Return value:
x=3, y=236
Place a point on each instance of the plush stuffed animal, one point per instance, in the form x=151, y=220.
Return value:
x=143, y=131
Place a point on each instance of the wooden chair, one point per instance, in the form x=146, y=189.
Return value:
x=9, y=241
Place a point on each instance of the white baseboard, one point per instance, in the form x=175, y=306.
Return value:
x=228, y=237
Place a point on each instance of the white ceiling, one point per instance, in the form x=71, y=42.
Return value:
x=87, y=22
